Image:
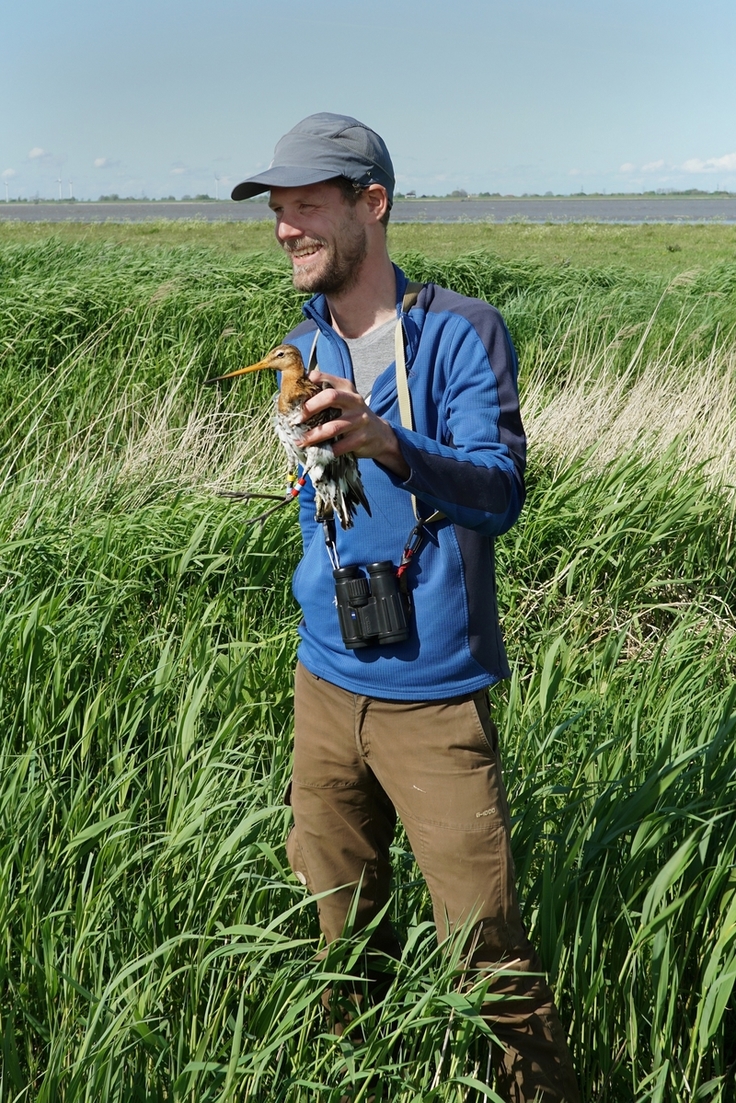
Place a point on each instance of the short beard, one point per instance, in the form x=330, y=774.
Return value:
x=344, y=261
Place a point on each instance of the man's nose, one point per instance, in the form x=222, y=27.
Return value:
x=286, y=230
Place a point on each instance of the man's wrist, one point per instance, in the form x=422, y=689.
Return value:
x=391, y=455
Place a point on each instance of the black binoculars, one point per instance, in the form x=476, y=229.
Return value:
x=372, y=610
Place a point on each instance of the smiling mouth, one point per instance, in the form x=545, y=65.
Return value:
x=301, y=251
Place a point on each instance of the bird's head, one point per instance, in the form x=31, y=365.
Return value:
x=284, y=358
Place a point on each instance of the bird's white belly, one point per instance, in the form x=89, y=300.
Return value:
x=338, y=489
x=290, y=429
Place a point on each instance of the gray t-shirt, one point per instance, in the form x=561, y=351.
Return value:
x=371, y=354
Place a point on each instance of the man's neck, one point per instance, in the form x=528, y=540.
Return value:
x=369, y=303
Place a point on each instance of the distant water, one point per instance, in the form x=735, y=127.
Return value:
x=576, y=209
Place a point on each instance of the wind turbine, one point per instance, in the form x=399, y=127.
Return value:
x=217, y=186
x=7, y=200
x=71, y=185
x=59, y=183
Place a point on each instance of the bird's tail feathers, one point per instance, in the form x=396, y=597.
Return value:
x=340, y=490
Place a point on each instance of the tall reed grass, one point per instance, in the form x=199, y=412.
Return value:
x=154, y=944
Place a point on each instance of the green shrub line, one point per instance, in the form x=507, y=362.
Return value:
x=66, y=292
x=154, y=944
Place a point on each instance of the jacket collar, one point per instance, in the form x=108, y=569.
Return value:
x=317, y=310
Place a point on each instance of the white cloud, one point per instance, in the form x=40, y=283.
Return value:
x=574, y=172
x=179, y=169
x=36, y=152
x=627, y=167
x=100, y=162
x=653, y=166
x=8, y=174
x=726, y=163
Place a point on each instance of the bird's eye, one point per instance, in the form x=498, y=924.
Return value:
x=279, y=355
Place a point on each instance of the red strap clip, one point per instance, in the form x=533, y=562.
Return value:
x=413, y=544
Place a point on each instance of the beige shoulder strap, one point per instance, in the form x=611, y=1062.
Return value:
x=312, y=361
x=402, y=387
x=411, y=294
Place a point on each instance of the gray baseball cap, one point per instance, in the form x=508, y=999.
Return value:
x=321, y=147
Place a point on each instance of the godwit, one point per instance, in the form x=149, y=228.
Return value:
x=336, y=479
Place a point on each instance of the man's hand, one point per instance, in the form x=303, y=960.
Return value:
x=359, y=429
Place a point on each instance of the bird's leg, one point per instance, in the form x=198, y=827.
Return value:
x=294, y=483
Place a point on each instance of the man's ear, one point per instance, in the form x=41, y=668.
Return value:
x=375, y=197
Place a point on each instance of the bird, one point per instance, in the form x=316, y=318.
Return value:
x=338, y=487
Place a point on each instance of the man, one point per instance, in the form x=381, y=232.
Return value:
x=405, y=726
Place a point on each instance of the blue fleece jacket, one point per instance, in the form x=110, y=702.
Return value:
x=467, y=457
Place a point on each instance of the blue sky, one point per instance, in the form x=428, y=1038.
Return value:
x=158, y=97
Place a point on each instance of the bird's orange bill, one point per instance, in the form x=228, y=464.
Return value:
x=241, y=371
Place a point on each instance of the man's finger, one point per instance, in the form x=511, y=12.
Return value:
x=342, y=400
x=322, y=401
x=337, y=382
x=326, y=432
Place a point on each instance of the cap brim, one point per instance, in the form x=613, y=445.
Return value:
x=284, y=176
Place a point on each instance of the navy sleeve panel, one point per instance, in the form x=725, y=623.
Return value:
x=484, y=634
x=496, y=340
x=472, y=467
x=460, y=487
x=307, y=326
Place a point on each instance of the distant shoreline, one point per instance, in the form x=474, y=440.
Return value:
x=482, y=197
x=580, y=208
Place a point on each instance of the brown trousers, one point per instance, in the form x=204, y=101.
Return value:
x=359, y=760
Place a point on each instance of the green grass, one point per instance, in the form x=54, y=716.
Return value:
x=153, y=943
x=667, y=248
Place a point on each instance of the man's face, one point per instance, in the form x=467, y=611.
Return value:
x=323, y=235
